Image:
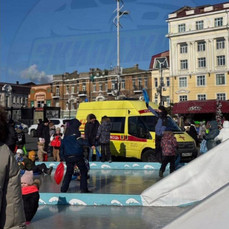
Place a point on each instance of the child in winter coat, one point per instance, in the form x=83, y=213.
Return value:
x=42, y=155
x=30, y=195
x=28, y=163
x=103, y=136
x=168, y=145
x=55, y=143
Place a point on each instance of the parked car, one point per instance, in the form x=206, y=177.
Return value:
x=58, y=122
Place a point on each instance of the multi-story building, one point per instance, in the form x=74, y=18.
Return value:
x=14, y=97
x=70, y=89
x=161, y=81
x=199, y=52
x=40, y=95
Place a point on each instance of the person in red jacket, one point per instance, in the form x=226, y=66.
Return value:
x=30, y=195
x=169, y=147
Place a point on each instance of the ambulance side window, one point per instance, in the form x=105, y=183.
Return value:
x=137, y=128
x=117, y=124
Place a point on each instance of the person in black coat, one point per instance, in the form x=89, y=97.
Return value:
x=46, y=135
x=12, y=135
x=91, y=128
x=39, y=128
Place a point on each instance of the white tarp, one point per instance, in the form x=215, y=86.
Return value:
x=212, y=213
x=193, y=182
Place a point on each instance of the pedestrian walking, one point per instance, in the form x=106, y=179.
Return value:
x=71, y=151
x=169, y=147
x=103, y=137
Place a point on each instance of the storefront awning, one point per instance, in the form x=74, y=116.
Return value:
x=199, y=107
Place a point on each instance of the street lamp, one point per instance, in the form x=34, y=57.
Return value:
x=116, y=21
x=162, y=62
x=7, y=89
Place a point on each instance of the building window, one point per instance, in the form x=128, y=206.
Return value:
x=94, y=87
x=181, y=28
x=67, y=89
x=184, y=64
x=220, y=43
x=40, y=103
x=201, y=97
x=167, y=100
x=155, y=82
x=101, y=87
x=183, y=82
x=106, y=87
x=57, y=90
x=77, y=88
x=221, y=96
x=220, y=60
x=146, y=83
x=201, y=81
x=183, y=48
x=14, y=99
x=113, y=85
x=220, y=79
x=199, y=25
x=202, y=62
x=201, y=46
x=123, y=84
x=72, y=90
x=218, y=22
x=139, y=83
x=183, y=97
x=84, y=87
x=167, y=81
x=156, y=99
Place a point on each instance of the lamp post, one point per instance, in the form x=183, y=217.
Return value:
x=162, y=64
x=116, y=21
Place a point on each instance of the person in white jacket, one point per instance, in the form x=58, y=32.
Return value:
x=224, y=132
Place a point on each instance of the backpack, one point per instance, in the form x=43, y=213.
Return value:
x=56, y=142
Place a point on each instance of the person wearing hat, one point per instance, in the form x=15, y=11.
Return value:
x=30, y=195
x=71, y=150
x=91, y=128
x=28, y=163
x=11, y=203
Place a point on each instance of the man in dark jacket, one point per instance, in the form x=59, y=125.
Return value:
x=12, y=136
x=91, y=128
x=71, y=151
x=46, y=135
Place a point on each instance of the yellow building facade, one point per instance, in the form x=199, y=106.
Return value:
x=199, y=53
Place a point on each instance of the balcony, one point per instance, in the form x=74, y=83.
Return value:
x=82, y=93
x=56, y=95
x=109, y=91
x=137, y=89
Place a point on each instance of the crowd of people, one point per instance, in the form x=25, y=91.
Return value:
x=21, y=191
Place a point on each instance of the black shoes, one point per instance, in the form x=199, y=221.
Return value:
x=85, y=191
x=49, y=171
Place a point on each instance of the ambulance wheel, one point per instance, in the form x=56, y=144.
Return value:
x=149, y=156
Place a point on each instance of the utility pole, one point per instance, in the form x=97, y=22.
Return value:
x=116, y=21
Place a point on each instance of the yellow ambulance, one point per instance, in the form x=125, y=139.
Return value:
x=133, y=129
